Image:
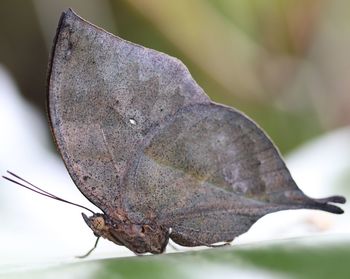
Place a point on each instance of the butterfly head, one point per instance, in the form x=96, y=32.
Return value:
x=139, y=238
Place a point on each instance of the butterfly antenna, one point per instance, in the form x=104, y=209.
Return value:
x=40, y=191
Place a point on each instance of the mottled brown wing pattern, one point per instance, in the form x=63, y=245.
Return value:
x=208, y=173
x=104, y=94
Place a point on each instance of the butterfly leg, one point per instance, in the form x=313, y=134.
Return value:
x=89, y=252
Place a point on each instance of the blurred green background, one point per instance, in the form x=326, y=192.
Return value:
x=284, y=63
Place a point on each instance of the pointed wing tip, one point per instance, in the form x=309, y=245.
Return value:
x=69, y=11
x=332, y=209
x=67, y=14
x=339, y=199
x=325, y=204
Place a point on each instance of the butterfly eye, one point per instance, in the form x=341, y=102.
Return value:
x=98, y=223
x=132, y=121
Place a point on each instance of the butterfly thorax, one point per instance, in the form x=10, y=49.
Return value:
x=139, y=238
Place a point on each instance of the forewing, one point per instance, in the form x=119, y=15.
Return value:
x=104, y=95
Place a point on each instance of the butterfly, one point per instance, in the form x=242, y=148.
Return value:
x=144, y=143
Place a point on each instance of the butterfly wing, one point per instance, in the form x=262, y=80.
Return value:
x=104, y=94
x=209, y=173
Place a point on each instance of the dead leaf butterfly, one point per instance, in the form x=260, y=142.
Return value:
x=145, y=144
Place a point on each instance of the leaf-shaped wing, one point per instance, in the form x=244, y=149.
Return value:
x=104, y=95
x=209, y=173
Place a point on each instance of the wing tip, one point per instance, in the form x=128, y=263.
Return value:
x=325, y=204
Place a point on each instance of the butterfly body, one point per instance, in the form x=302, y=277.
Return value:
x=139, y=238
